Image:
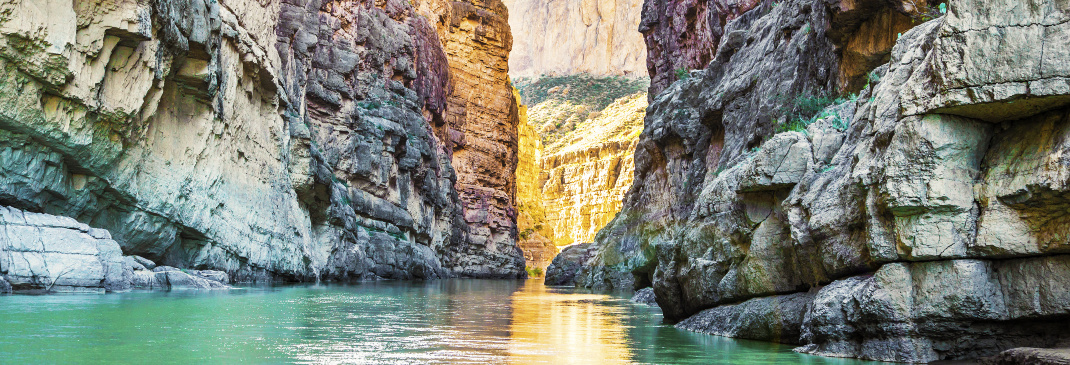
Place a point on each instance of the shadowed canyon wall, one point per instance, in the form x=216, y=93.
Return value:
x=567, y=37
x=860, y=178
x=273, y=140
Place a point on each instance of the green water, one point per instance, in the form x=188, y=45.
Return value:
x=453, y=321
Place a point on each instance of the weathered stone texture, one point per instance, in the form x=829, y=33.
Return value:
x=922, y=216
x=480, y=128
x=271, y=140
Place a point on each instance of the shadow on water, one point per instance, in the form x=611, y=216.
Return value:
x=449, y=321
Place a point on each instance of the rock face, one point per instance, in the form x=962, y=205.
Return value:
x=561, y=37
x=584, y=179
x=536, y=236
x=271, y=140
x=914, y=221
x=588, y=126
x=684, y=35
x=480, y=128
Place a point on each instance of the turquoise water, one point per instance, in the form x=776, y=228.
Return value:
x=452, y=321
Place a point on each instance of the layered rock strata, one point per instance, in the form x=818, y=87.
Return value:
x=560, y=37
x=585, y=173
x=480, y=128
x=271, y=140
x=536, y=235
x=914, y=221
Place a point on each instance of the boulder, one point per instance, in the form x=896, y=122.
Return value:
x=566, y=265
x=41, y=252
x=645, y=296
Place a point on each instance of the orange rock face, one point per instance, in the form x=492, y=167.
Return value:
x=480, y=125
x=536, y=235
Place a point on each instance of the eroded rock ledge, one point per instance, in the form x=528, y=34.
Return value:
x=920, y=219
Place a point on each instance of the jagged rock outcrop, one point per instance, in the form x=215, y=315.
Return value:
x=561, y=37
x=685, y=35
x=271, y=140
x=913, y=221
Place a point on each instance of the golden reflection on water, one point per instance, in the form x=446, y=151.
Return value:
x=555, y=328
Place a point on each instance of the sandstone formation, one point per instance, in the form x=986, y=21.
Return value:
x=480, y=128
x=536, y=236
x=564, y=37
x=589, y=126
x=586, y=173
x=271, y=140
x=915, y=221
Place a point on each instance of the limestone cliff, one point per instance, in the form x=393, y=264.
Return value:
x=535, y=234
x=480, y=126
x=273, y=140
x=589, y=126
x=564, y=37
x=913, y=221
x=586, y=173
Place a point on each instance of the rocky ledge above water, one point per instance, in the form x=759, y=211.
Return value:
x=41, y=253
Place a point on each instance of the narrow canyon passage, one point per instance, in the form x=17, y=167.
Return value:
x=518, y=181
x=579, y=69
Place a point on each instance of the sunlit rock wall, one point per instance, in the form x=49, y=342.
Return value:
x=480, y=126
x=564, y=37
x=536, y=234
x=585, y=176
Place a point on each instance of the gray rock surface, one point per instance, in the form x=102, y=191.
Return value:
x=927, y=208
x=645, y=296
x=1030, y=356
x=565, y=266
x=776, y=318
x=46, y=254
x=40, y=252
x=269, y=140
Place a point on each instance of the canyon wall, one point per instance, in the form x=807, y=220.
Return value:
x=480, y=126
x=586, y=131
x=563, y=37
x=536, y=235
x=295, y=140
x=586, y=173
x=913, y=221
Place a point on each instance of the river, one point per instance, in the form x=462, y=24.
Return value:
x=448, y=321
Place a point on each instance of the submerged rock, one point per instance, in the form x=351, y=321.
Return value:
x=645, y=296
